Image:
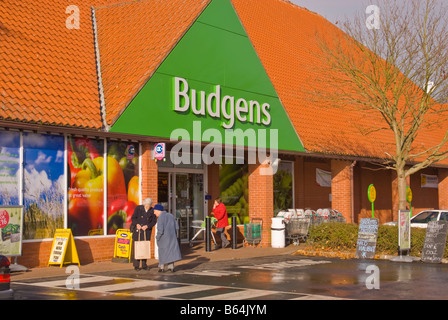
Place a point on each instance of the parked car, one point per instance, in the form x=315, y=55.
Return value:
x=5, y=280
x=421, y=219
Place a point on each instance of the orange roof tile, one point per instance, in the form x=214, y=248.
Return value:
x=48, y=72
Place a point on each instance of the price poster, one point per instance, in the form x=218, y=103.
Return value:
x=123, y=243
x=63, y=249
x=11, y=226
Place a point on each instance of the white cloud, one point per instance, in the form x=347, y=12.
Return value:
x=42, y=158
x=59, y=156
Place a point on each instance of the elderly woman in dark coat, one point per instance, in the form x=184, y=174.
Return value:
x=166, y=237
x=143, y=220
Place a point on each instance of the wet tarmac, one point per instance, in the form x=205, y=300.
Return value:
x=280, y=277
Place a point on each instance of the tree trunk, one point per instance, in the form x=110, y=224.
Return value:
x=402, y=185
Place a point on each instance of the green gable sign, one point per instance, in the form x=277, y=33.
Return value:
x=213, y=77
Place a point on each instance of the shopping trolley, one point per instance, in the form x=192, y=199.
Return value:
x=297, y=229
x=252, y=232
x=199, y=225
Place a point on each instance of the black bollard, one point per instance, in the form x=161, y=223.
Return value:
x=234, y=228
x=208, y=230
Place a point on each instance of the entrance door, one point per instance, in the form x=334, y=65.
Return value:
x=182, y=194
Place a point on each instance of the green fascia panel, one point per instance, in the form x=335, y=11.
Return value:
x=215, y=51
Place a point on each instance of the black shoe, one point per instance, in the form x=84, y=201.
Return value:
x=172, y=270
x=146, y=268
x=136, y=268
x=161, y=270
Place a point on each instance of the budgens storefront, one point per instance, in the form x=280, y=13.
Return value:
x=217, y=85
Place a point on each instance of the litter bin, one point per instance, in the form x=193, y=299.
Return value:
x=278, y=232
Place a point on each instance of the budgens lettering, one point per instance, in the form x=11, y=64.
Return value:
x=215, y=105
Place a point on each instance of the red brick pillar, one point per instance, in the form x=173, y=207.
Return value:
x=149, y=180
x=341, y=185
x=443, y=188
x=261, y=198
x=299, y=183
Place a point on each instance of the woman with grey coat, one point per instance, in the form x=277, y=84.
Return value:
x=166, y=236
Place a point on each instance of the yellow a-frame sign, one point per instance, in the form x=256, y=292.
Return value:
x=63, y=249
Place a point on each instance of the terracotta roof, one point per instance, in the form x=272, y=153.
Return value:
x=48, y=72
x=285, y=40
x=134, y=38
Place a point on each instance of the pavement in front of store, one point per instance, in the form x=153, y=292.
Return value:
x=191, y=258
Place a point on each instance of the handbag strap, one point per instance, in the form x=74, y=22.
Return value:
x=144, y=235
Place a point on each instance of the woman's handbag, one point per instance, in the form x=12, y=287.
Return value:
x=142, y=248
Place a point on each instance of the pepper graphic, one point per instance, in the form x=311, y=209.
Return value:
x=79, y=149
x=89, y=181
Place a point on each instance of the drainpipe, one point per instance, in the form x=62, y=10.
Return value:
x=106, y=127
x=352, y=191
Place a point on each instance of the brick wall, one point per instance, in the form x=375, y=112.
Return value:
x=341, y=187
x=261, y=199
x=443, y=188
x=37, y=254
x=149, y=181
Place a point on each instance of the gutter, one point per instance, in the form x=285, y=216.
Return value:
x=102, y=101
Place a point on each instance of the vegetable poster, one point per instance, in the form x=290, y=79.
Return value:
x=234, y=191
x=86, y=186
x=86, y=192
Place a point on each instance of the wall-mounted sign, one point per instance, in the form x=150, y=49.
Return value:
x=429, y=181
x=216, y=105
x=159, y=151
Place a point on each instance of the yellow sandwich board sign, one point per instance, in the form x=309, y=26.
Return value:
x=123, y=244
x=63, y=249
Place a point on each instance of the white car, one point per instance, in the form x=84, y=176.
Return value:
x=421, y=219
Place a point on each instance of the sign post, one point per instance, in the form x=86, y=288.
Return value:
x=371, y=194
x=404, y=231
x=409, y=198
x=63, y=249
x=404, y=237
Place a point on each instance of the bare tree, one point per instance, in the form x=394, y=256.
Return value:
x=392, y=61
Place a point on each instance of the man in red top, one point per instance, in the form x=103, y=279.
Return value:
x=220, y=213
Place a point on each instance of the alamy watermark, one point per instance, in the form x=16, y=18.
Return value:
x=222, y=146
x=373, y=20
x=72, y=281
x=373, y=280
